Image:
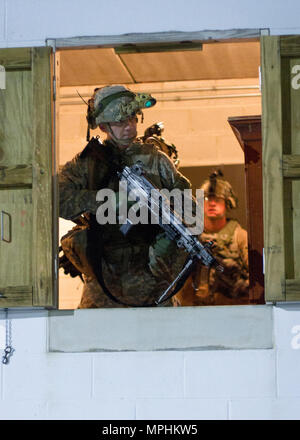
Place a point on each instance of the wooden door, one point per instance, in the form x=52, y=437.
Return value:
x=281, y=166
x=26, y=221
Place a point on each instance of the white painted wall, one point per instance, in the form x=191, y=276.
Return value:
x=35, y=20
x=207, y=384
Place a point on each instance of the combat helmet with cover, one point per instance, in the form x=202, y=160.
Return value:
x=218, y=187
x=115, y=104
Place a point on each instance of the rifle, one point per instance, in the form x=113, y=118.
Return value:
x=169, y=220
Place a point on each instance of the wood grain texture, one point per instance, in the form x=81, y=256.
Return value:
x=18, y=176
x=272, y=175
x=291, y=165
x=287, y=130
x=292, y=288
x=294, y=160
x=26, y=179
x=16, y=119
x=290, y=46
x=16, y=58
x=42, y=178
x=16, y=255
x=56, y=124
x=15, y=296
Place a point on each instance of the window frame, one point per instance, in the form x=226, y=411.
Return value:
x=186, y=328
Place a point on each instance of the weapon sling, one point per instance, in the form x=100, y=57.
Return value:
x=95, y=247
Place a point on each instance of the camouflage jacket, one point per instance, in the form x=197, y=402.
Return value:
x=207, y=286
x=125, y=258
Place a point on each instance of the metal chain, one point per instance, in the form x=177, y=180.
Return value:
x=8, y=351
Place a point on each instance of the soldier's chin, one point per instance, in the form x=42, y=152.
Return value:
x=125, y=141
x=214, y=216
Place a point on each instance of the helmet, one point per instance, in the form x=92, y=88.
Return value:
x=115, y=104
x=218, y=187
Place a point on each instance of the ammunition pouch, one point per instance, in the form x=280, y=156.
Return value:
x=74, y=245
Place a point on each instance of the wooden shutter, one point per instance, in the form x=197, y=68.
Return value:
x=26, y=245
x=281, y=166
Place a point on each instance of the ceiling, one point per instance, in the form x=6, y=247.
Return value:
x=83, y=67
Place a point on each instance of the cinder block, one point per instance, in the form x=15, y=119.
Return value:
x=264, y=409
x=181, y=409
x=288, y=373
x=287, y=326
x=106, y=409
x=138, y=374
x=28, y=330
x=23, y=410
x=49, y=376
x=230, y=373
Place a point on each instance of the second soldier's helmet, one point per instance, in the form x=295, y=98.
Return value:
x=115, y=104
x=218, y=187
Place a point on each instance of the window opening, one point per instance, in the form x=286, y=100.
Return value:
x=196, y=90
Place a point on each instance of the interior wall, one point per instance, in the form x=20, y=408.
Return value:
x=195, y=121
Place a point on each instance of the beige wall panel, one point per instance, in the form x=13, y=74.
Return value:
x=217, y=60
x=198, y=128
x=92, y=66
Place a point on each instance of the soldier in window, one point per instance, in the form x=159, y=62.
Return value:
x=117, y=270
x=206, y=286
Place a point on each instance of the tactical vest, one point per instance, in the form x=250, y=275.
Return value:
x=207, y=279
x=222, y=239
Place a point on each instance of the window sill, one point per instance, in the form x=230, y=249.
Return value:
x=165, y=328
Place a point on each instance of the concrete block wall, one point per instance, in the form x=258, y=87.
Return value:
x=160, y=385
x=212, y=384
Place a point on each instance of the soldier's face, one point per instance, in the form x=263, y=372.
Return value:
x=126, y=129
x=214, y=207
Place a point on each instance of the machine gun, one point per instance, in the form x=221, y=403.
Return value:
x=170, y=221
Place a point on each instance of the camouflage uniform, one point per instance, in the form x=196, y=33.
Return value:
x=125, y=260
x=207, y=286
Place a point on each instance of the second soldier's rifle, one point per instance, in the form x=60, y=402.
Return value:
x=170, y=221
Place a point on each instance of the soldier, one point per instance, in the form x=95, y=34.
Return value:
x=206, y=286
x=117, y=270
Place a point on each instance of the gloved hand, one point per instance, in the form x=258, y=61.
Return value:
x=163, y=246
x=159, y=254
